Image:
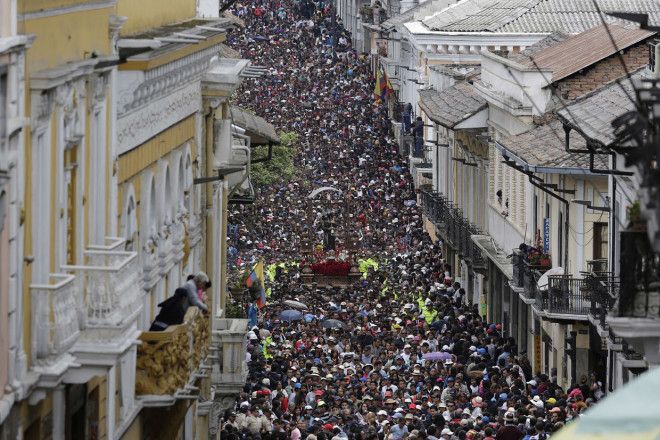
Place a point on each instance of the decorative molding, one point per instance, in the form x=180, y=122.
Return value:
x=66, y=10
x=115, y=23
x=161, y=81
x=139, y=126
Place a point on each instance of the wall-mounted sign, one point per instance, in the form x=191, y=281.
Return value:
x=546, y=235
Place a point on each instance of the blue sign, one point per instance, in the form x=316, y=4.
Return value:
x=546, y=235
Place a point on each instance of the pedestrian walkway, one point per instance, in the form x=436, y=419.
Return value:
x=400, y=353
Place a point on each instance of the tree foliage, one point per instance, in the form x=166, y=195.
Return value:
x=280, y=169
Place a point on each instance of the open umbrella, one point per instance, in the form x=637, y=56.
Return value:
x=630, y=413
x=436, y=356
x=317, y=191
x=309, y=317
x=295, y=304
x=543, y=281
x=332, y=323
x=291, y=315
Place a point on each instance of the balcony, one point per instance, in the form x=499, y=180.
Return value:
x=531, y=293
x=230, y=367
x=567, y=297
x=519, y=267
x=55, y=326
x=455, y=230
x=605, y=292
x=634, y=311
x=168, y=362
x=109, y=288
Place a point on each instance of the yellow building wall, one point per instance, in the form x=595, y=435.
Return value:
x=146, y=14
x=67, y=37
x=44, y=5
x=138, y=159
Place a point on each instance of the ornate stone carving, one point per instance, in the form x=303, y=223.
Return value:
x=42, y=106
x=166, y=360
x=136, y=127
x=114, y=26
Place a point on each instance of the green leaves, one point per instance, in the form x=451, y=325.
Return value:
x=281, y=168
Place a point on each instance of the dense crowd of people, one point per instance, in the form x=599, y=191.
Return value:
x=402, y=353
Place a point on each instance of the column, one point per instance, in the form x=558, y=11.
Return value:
x=59, y=412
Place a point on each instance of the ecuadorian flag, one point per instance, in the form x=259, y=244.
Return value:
x=257, y=276
x=383, y=87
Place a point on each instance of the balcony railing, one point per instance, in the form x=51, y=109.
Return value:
x=110, y=287
x=454, y=228
x=605, y=292
x=640, y=277
x=55, y=326
x=567, y=295
x=168, y=361
x=530, y=283
x=519, y=267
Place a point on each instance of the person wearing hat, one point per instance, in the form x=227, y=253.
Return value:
x=510, y=431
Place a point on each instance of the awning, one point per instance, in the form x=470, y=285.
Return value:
x=260, y=131
x=485, y=243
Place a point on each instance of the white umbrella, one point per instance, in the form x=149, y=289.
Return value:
x=295, y=304
x=323, y=188
x=543, y=281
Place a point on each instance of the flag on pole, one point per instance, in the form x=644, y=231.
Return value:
x=378, y=91
x=387, y=85
x=257, y=277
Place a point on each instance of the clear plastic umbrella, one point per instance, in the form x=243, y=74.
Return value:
x=543, y=281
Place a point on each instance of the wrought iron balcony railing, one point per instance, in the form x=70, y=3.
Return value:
x=567, y=295
x=519, y=267
x=454, y=228
x=640, y=277
x=604, y=294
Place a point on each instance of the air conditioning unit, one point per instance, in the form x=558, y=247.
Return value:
x=230, y=149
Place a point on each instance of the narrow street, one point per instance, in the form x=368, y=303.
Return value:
x=407, y=356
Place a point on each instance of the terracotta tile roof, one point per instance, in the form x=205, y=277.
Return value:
x=575, y=53
x=592, y=114
x=543, y=146
x=451, y=106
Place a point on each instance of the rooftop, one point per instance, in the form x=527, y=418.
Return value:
x=543, y=147
x=451, y=106
x=577, y=52
x=532, y=16
x=421, y=10
x=457, y=71
x=164, y=39
x=592, y=114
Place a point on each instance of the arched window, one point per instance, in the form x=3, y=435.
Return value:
x=129, y=221
x=168, y=197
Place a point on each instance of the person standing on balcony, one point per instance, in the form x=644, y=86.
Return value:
x=172, y=311
x=199, y=282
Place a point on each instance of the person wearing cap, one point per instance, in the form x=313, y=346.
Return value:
x=399, y=430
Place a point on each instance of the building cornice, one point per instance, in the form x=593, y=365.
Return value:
x=151, y=60
x=80, y=7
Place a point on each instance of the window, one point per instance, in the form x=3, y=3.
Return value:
x=600, y=241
